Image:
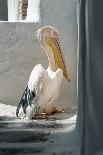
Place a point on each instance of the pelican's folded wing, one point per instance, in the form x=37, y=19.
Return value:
x=32, y=92
x=34, y=84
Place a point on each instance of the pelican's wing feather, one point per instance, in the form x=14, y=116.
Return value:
x=35, y=83
x=36, y=76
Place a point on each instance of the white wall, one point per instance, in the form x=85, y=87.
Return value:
x=20, y=51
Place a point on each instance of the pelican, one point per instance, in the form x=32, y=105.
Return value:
x=43, y=86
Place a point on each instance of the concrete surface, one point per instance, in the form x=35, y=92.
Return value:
x=40, y=143
x=63, y=140
x=51, y=137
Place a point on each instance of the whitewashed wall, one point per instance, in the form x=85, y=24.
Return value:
x=20, y=51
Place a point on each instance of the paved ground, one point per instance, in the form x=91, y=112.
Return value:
x=40, y=137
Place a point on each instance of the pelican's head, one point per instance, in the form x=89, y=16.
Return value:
x=49, y=39
x=47, y=31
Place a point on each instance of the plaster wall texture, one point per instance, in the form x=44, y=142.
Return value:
x=20, y=51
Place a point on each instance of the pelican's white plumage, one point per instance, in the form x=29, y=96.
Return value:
x=37, y=74
x=43, y=86
x=47, y=84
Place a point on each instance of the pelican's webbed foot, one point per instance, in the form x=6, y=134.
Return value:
x=52, y=110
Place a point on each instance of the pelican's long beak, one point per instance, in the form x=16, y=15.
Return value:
x=58, y=55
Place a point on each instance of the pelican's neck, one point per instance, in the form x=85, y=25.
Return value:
x=52, y=64
x=49, y=52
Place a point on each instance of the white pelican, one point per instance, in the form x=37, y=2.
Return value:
x=43, y=86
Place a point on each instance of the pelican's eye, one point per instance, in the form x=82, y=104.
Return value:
x=55, y=34
x=33, y=94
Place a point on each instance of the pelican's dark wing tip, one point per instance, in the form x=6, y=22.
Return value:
x=23, y=102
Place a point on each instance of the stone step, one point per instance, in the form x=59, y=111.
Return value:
x=21, y=149
x=19, y=142
x=4, y=125
x=23, y=136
